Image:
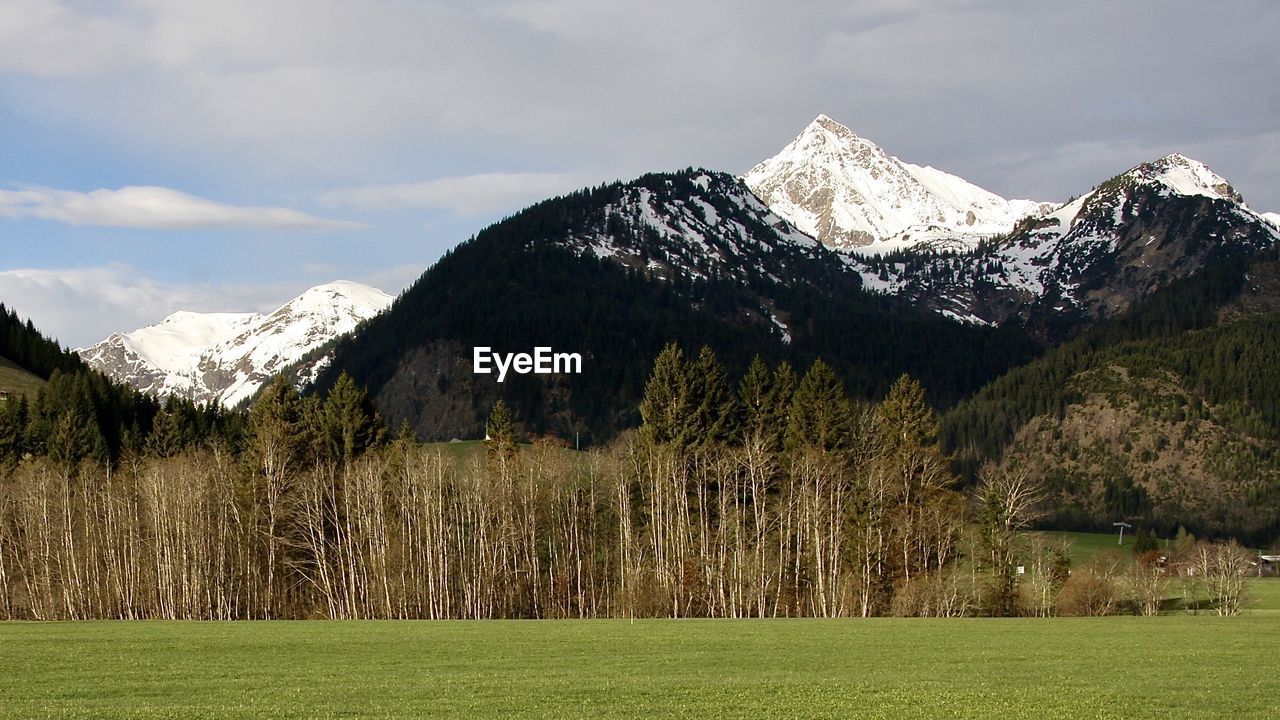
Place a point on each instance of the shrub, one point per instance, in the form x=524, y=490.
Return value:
x=1088, y=593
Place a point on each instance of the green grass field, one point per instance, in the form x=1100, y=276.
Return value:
x=1084, y=545
x=459, y=450
x=1264, y=594
x=1184, y=667
x=14, y=379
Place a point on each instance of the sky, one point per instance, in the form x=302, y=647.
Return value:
x=225, y=155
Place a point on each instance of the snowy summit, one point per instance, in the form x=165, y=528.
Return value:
x=227, y=357
x=851, y=195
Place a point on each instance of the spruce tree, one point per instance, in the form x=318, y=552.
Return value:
x=166, y=437
x=278, y=435
x=714, y=410
x=666, y=405
x=349, y=424
x=904, y=417
x=782, y=393
x=74, y=436
x=13, y=422
x=821, y=415
x=500, y=431
x=754, y=399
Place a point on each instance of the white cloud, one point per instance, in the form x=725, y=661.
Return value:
x=80, y=306
x=393, y=280
x=479, y=194
x=147, y=207
x=49, y=38
x=327, y=93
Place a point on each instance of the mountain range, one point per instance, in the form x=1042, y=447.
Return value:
x=1087, y=259
x=226, y=357
x=830, y=239
x=1124, y=344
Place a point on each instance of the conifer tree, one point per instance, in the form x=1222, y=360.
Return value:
x=904, y=416
x=278, y=439
x=166, y=438
x=821, y=415
x=754, y=392
x=275, y=421
x=666, y=405
x=909, y=480
x=714, y=410
x=405, y=432
x=782, y=392
x=13, y=422
x=74, y=436
x=349, y=424
x=500, y=431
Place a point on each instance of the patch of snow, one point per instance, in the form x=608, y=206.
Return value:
x=968, y=319
x=786, y=332
x=713, y=217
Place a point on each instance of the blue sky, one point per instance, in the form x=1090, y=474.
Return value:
x=224, y=156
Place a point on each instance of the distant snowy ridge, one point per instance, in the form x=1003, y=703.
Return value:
x=227, y=357
x=851, y=195
x=1096, y=254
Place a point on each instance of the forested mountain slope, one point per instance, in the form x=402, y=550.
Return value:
x=616, y=272
x=1169, y=415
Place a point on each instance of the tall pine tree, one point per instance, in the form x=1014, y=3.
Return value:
x=821, y=415
x=714, y=415
x=667, y=400
x=349, y=424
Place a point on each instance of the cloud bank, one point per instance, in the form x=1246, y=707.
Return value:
x=479, y=194
x=80, y=306
x=149, y=207
x=345, y=94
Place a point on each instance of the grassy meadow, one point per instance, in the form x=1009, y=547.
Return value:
x=1175, y=666
x=16, y=381
x=1085, y=545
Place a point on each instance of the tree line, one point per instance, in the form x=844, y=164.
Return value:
x=776, y=495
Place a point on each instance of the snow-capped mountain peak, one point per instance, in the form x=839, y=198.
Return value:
x=850, y=194
x=336, y=295
x=228, y=356
x=1182, y=175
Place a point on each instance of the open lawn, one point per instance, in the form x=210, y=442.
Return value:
x=1180, y=666
x=1084, y=545
x=17, y=381
x=1264, y=594
x=459, y=449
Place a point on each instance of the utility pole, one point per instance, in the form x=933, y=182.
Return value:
x=1122, y=525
